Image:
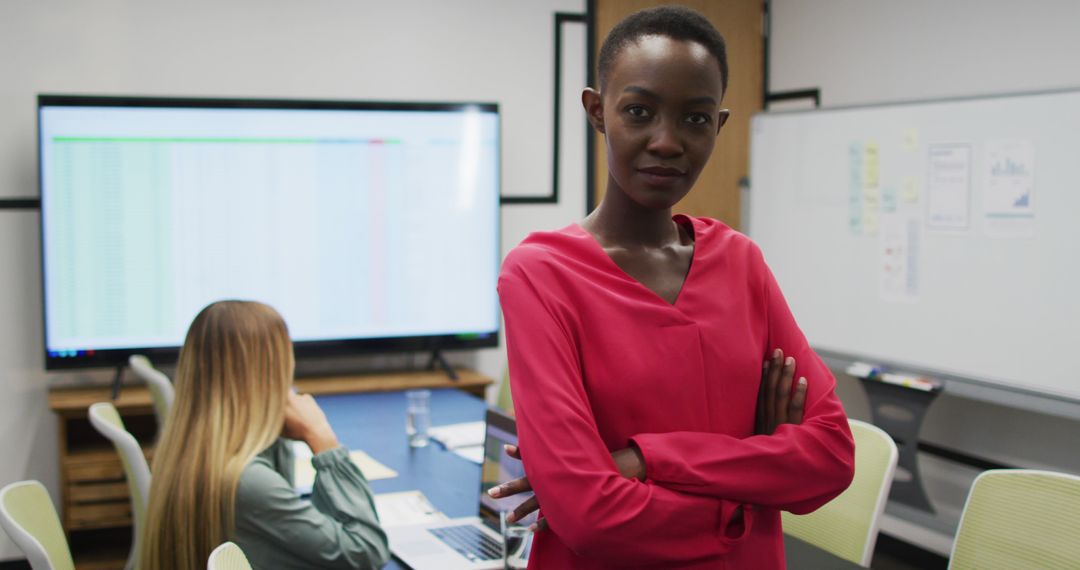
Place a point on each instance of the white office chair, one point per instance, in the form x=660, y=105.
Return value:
x=161, y=388
x=848, y=525
x=105, y=419
x=28, y=516
x=228, y=556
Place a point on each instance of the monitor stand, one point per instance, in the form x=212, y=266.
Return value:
x=117, y=381
x=438, y=360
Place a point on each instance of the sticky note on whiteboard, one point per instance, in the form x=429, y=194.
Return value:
x=909, y=190
x=910, y=139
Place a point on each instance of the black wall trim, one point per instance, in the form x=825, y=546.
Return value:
x=814, y=94
x=590, y=139
x=553, y=198
x=961, y=457
x=766, y=32
x=514, y=200
x=20, y=203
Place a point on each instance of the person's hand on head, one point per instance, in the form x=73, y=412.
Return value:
x=305, y=421
x=780, y=398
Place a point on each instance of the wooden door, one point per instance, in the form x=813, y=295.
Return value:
x=716, y=193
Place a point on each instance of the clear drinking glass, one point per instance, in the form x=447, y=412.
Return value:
x=517, y=541
x=418, y=417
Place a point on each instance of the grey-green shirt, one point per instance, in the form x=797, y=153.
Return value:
x=337, y=528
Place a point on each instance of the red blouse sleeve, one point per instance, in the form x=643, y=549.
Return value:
x=798, y=468
x=591, y=508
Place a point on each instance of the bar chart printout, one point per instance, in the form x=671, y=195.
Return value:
x=1009, y=189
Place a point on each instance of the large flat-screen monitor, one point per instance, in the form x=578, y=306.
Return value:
x=369, y=226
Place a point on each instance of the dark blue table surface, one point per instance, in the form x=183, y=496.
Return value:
x=375, y=423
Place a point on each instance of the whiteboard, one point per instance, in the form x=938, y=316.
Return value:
x=944, y=235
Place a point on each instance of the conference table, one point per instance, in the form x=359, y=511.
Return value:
x=375, y=423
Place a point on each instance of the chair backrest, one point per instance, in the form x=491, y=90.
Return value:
x=1019, y=518
x=847, y=526
x=161, y=388
x=228, y=556
x=505, y=400
x=105, y=419
x=29, y=518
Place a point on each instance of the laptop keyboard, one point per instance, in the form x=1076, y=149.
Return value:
x=469, y=541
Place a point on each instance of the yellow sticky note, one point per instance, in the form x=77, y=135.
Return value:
x=911, y=139
x=871, y=222
x=871, y=199
x=871, y=165
x=909, y=190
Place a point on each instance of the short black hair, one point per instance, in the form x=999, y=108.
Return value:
x=675, y=22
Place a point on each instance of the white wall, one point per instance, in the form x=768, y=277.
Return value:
x=860, y=52
x=486, y=50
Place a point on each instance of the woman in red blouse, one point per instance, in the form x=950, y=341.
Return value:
x=660, y=422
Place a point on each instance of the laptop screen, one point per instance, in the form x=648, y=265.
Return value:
x=498, y=468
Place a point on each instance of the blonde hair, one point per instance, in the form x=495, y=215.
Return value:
x=232, y=382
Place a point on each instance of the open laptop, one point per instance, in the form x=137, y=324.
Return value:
x=473, y=543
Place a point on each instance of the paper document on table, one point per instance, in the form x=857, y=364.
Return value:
x=474, y=453
x=454, y=436
x=304, y=471
x=406, y=508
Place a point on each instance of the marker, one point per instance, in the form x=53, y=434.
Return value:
x=908, y=381
x=863, y=370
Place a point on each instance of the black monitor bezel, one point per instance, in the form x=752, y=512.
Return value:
x=303, y=349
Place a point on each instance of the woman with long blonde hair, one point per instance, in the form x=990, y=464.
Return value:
x=222, y=470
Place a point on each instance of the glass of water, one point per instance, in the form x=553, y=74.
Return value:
x=418, y=417
x=517, y=542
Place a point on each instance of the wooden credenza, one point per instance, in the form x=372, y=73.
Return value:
x=95, y=507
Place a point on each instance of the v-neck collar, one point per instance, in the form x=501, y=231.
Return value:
x=683, y=220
